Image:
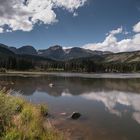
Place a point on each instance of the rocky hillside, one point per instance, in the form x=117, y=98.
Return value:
x=124, y=57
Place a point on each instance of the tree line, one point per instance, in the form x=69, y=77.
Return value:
x=76, y=65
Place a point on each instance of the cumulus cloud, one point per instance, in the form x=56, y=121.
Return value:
x=1, y=30
x=70, y=5
x=24, y=14
x=75, y=14
x=117, y=31
x=111, y=42
x=136, y=27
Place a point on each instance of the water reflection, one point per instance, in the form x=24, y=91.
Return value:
x=75, y=86
x=112, y=99
x=110, y=92
x=111, y=106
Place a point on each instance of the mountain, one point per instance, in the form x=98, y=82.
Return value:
x=26, y=60
x=24, y=50
x=78, y=52
x=3, y=45
x=5, y=52
x=54, y=52
x=27, y=50
x=58, y=53
x=74, y=59
x=123, y=57
x=14, y=49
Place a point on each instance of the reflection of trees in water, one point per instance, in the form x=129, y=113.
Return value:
x=72, y=85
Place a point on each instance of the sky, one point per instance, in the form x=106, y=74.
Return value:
x=106, y=25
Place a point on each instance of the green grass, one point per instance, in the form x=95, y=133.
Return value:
x=21, y=120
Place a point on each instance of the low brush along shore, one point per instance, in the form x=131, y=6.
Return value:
x=21, y=120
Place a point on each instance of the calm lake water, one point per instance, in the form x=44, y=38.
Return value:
x=109, y=104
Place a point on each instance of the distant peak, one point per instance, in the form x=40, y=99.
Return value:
x=27, y=46
x=56, y=47
x=3, y=45
x=27, y=50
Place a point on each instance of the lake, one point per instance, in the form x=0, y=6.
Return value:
x=109, y=103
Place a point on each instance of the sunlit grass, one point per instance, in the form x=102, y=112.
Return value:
x=20, y=120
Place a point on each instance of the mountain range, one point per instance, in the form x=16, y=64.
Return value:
x=57, y=53
x=54, y=52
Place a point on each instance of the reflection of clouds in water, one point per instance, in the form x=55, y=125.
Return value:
x=66, y=93
x=136, y=116
x=111, y=99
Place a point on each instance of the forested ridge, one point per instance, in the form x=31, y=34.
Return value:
x=117, y=62
x=74, y=65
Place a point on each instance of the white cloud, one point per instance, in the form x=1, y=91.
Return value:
x=111, y=42
x=1, y=30
x=136, y=27
x=75, y=14
x=70, y=5
x=20, y=16
x=136, y=39
x=126, y=32
x=117, y=31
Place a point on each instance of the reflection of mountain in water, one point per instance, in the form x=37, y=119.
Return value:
x=72, y=85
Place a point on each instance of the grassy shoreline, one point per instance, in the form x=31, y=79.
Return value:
x=21, y=120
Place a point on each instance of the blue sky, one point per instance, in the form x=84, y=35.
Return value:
x=93, y=20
